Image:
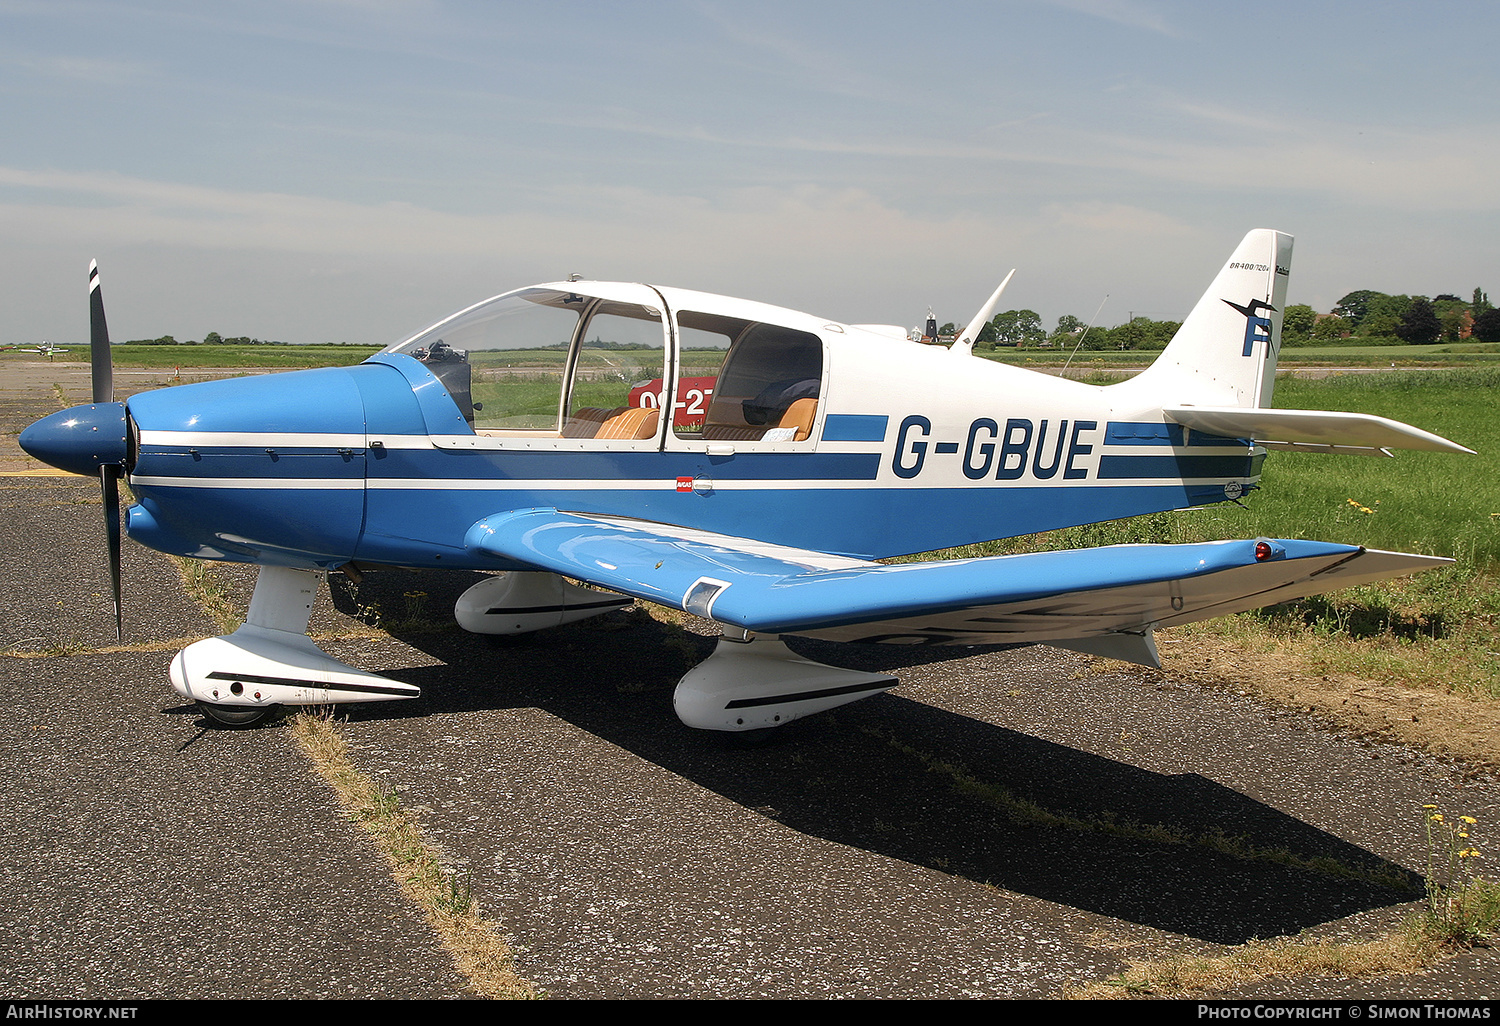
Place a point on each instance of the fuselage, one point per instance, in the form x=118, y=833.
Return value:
x=907, y=448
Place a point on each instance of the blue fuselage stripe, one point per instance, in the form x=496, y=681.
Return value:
x=505, y=465
x=1129, y=433
x=854, y=427
x=1126, y=432
x=645, y=467
x=1135, y=468
x=244, y=462
x=1199, y=438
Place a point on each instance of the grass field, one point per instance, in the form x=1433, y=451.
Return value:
x=1434, y=503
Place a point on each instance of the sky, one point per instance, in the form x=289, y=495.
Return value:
x=353, y=170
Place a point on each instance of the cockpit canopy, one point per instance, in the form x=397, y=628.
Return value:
x=549, y=361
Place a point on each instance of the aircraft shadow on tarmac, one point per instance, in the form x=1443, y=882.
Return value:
x=909, y=781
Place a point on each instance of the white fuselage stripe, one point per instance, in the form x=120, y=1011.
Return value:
x=254, y=439
x=263, y=483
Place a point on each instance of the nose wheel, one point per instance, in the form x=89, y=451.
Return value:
x=235, y=715
x=269, y=663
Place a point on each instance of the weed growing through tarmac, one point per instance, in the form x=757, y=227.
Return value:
x=444, y=894
x=458, y=898
x=1462, y=907
x=206, y=587
x=415, y=601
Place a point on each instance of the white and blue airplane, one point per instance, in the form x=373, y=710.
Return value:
x=47, y=349
x=528, y=435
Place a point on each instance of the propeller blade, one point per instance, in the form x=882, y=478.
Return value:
x=103, y=380
x=103, y=369
x=109, y=480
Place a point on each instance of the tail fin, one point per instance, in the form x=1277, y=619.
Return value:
x=1225, y=352
x=1217, y=374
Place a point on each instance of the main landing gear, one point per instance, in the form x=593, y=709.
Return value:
x=750, y=683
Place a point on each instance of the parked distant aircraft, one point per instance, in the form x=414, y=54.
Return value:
x=758, y=492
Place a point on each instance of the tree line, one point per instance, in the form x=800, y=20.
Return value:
x=1023, y=329
x=1365, y=315
x=1376, y=317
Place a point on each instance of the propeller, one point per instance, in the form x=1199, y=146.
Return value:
x=103, y=380
x=92, y=439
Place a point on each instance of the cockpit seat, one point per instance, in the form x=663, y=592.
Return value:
x=799, y=416
x=585, y=421
x=633, y=422
x=795, y=425
x=732, y=433
x=776, y=398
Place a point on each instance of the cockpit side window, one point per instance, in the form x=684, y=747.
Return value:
x=616, y=373
x=703, y=341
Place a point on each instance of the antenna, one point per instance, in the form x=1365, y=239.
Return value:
x=1084, y=335
x=964, y=344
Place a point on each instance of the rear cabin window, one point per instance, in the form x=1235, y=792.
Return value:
x=765, y=389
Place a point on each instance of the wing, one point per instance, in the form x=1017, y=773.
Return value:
x=1105, y=600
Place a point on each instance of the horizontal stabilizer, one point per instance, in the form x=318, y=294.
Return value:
x=1115, y=595
x=1309, y=428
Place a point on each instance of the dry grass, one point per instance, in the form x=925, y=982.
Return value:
x=1458, y=914
x=663, y=614
x=1201, y=976
x=1367, y=696
x=479, y=950
x=72, y=646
